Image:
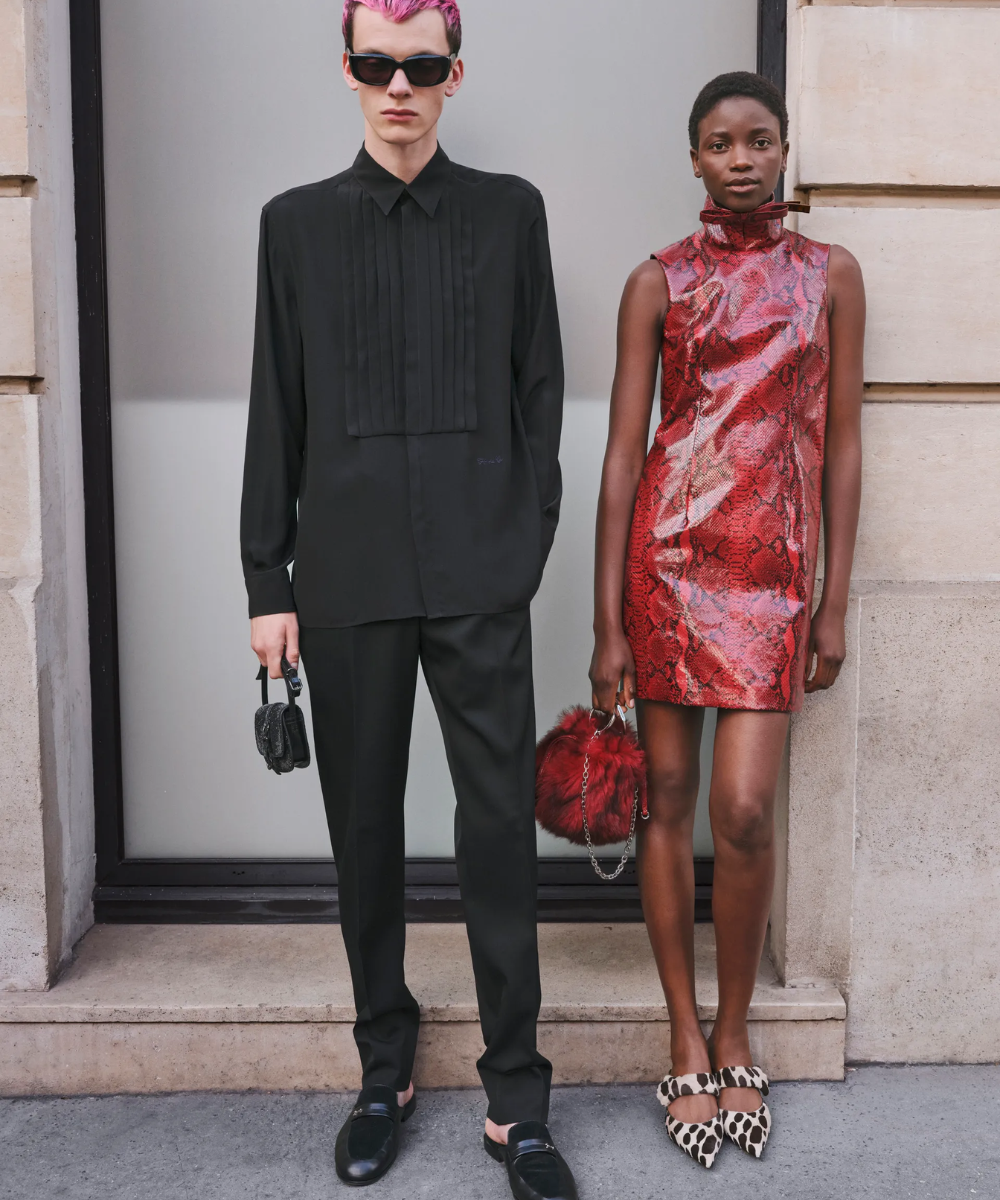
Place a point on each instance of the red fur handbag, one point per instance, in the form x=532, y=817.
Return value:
x=590, y=781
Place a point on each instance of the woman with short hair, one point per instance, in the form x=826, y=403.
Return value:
x=707, y=550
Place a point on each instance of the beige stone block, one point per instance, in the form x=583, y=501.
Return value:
x=99, y=1058
x=811, y=920
x=23, y=926
x=17, y=306
x=204, y=974
x=634, y=1052
x=629, y=1051
x=933, y=307
x=13, y=90
x=885, y=89
x=799, y=1049
x=170, y=1008
x=931, y=493
x=20, y=547
x=46, y=788
x=95, y=1059
x=925, y=981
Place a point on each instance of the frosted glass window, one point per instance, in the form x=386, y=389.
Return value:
x=213, y=106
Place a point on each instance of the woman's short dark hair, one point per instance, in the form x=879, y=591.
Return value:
x=737, y=83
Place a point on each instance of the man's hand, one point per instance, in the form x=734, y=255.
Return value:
x=272, y=636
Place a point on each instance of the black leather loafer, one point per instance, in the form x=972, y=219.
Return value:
x=368, y=1141
x=535, y=1168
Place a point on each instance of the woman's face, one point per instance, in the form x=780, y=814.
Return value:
x=740, y=154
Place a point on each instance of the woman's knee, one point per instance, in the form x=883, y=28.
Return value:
x=672, y=791
x=745, y=822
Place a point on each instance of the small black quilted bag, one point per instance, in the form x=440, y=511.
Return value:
x=281, y=728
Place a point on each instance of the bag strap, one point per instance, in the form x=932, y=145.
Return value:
x=293, y=684
x=618, y=714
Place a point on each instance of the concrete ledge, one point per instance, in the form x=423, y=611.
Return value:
x=205, y=1008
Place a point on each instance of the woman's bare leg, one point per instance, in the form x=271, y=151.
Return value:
x=748, y=752
x=671, y=736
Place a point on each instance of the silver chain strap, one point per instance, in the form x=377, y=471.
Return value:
x=586, y=824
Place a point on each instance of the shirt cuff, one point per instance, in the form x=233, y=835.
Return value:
x=270, y=592
x=550, y=519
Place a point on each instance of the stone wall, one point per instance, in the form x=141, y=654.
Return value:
x=46, y=790
x=892, y=880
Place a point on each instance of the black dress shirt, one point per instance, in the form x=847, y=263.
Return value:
x=406, y=398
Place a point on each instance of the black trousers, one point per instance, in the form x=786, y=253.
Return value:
x=362, y=683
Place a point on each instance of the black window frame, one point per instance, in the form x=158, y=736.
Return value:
x=231, y=890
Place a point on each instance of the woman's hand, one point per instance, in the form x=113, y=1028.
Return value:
x=827, y=650
x=612, y=672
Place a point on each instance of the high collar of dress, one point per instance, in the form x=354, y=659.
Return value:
x=386, y=189
x=754, y=230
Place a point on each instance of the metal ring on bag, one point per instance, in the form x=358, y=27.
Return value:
x=596, y=712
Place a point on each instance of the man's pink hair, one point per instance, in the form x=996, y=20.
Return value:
x=400, y=10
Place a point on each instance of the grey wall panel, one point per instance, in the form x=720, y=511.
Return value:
x=214, y=106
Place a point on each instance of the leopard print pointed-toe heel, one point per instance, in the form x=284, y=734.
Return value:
x=701, y=1141
x=748, y=1130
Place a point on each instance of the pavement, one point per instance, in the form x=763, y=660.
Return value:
x=887, y=1132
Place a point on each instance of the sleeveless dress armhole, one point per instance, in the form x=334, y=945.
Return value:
x=666, y=279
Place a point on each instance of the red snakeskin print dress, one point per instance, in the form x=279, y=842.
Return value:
x=722, y=553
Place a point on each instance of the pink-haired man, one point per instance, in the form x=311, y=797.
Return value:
x=402, y=453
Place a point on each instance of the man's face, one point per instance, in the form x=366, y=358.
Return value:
x=740, y=155
x=400, y=113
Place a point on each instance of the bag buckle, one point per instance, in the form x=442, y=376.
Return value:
x=292, y=681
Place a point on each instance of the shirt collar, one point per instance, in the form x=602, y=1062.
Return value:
x=385, y=188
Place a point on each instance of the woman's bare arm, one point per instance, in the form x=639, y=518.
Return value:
x=640, y=335
x=842, y=466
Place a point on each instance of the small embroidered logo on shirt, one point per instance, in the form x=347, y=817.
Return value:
x=490, y=462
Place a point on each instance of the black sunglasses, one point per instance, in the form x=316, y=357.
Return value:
x=422, y=70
